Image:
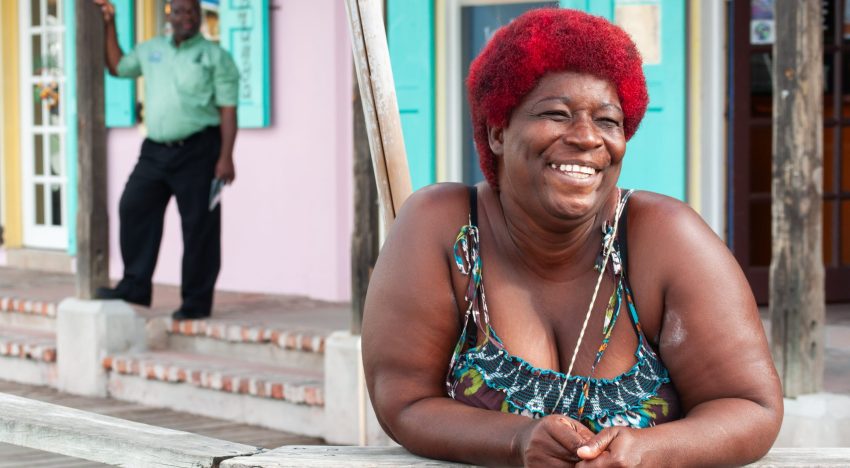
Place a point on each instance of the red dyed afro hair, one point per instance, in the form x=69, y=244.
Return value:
x=543, y=41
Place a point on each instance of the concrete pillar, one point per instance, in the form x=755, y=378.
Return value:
x=349, y=417
x=88, y=331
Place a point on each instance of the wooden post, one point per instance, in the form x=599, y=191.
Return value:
x=92, y=220
x=380, y=107
x=364, y=240
x=797, y=307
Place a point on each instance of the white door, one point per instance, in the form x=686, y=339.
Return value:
x=43, y=123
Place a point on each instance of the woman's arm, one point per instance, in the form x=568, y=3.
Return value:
x=410, y=327
x=711, y=340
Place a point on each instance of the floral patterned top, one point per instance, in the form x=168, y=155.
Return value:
x=484, y=374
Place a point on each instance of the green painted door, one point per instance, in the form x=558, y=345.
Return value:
x=655, y=156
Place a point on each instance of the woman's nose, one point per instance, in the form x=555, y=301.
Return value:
x=583, y=133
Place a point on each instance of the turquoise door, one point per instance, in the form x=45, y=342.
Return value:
x=655, y=156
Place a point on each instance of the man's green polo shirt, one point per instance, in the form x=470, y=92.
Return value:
x=184, y=86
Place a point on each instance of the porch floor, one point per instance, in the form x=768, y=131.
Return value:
x=246, y=309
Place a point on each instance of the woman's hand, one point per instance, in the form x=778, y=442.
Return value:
x=553, y=440
x=613, y=446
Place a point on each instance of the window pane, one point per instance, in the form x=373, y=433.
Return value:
x=845, y=232
x=844, y=161
x=828, y=238
x=35, y=12
x=55, y=155
x=53, y=8
x=39, y=204
x=828, y=86
x=829, y=156
x=37, y=108
x=37, y=64
x=761, y=84
x=56, y=204
x=761, y=150
x=760, y=236
x=38, y=154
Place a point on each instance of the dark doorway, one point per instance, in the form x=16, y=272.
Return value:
x=750, y=147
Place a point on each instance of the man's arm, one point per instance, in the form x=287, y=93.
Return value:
x=225, y=169
x=113, y=50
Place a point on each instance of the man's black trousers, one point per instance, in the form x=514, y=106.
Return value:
x=186, y=170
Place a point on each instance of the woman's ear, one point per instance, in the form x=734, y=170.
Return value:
x=495, y=136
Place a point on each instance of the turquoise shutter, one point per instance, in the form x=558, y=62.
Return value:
x=410, y=31
x=244, y=32
x=120, y=94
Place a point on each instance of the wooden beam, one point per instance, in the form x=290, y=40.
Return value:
x=380, y=106
x=92, y=219
x=797, y=307
x=76, y=433
x=365, y=238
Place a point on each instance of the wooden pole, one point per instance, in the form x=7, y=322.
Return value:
x=92, y=220
x=380, y=107
x=365, y=238
x=797, y=307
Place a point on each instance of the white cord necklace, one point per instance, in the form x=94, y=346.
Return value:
x=607, y=249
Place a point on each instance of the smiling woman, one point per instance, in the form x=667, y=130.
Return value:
x=600, y=301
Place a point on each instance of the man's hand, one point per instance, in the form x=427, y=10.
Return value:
x=224, y=169
x=107, y=8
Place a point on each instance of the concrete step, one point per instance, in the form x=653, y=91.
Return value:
x=238, y=390
x=24, y=313
x=300, y=348
x=27, y=356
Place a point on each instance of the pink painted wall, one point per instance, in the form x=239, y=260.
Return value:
x=287, y=219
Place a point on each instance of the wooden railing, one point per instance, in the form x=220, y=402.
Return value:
x=94, y=437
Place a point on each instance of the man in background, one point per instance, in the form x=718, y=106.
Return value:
x=190, y=115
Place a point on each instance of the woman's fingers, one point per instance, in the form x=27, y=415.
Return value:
x=597, y=444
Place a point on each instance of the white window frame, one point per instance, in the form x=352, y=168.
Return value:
x=47, y=235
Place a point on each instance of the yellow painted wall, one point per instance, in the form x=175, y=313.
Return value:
x=11, y=143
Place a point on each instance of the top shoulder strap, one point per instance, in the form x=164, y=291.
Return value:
x=473, y=205
x=621, y=229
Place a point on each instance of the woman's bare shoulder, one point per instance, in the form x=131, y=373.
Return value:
x=659, y=219
x=434, y=208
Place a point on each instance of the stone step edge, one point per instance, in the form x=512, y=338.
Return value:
x=27, y=306
x=310, y=392
x=234, y=332
x=37, y=351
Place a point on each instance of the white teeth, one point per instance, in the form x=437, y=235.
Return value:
x=574, y=170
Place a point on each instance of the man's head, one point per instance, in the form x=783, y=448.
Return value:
x=185, y=18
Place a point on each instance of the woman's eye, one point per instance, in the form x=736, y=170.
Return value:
x=608, y=123
x=557, y=115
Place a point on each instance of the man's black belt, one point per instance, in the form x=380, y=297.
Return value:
x=184, y=141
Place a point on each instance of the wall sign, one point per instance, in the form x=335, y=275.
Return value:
x=244, y=32
x=642, y=20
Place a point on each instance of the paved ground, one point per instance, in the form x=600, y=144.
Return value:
x=274, y=311
x=13, y=456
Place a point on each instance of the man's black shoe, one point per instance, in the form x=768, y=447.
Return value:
x=115, y=293
x=183, y=314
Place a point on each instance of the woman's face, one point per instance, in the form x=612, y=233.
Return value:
x=562, y=150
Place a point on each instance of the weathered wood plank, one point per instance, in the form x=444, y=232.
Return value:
x=104, y=439
x=796, y=270
x=324, y=455
x=823, y=456
x=92, y=218
x=380, y=106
